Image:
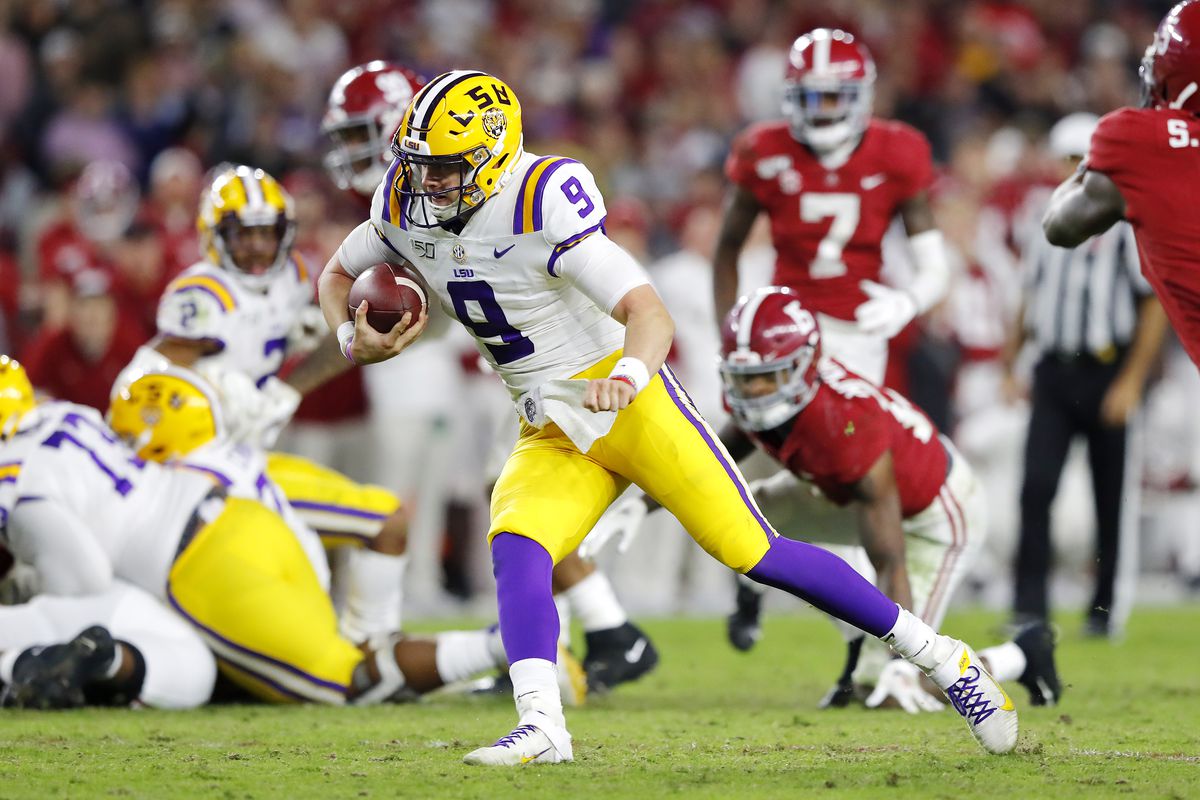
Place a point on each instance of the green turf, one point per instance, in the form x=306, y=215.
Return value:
x=710, y=723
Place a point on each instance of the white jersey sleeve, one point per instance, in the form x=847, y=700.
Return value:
x=366, y=245
x=572, y=207
x=191, y=310
x=601, y=269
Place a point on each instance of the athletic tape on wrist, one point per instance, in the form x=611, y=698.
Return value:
x=345, y=337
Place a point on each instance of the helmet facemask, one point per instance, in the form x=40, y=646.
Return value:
x=455, y=191
x=228, y=240
x=359, y=157
x=827, y=115
x=764, y=395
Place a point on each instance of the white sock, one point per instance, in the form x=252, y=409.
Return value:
x=461, y=654
x=563, y=607
x=496, y=647
x=535, y=689
x=1005, y=661
x=595, y=603
x=7, y=659
x=912, y=638
x=374, y=594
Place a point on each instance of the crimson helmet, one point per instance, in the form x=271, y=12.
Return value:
x=105, y=200
x=1170, y=69
x=828, y=89
x=768, y=334
x=365, y=108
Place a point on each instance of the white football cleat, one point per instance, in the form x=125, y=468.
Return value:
x=536, y=740
x=978, y=698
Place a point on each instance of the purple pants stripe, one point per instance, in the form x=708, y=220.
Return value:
x=258, y=676
x=675, y=390
x=528, y=618
x=337, y=687
x=346, y=511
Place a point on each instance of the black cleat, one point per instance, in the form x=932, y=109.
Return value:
x=1040, y=677
x=842, y=693
x=617, y=655
x=58, y=675
x=744, y=625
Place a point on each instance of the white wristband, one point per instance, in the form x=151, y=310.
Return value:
x=634, y=370
x=345, y=337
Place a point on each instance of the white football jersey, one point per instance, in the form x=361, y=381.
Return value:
x=242, y=470
x=207, y=303
x=502, y=276
x=135, y=510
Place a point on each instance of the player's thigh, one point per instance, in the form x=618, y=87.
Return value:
x=245, y=583
x=342, y=510
x=661, y=443
x=549, y=492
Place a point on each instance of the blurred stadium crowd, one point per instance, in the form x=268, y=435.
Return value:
x=113, y=110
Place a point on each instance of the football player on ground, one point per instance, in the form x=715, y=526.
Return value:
x=234, y=317
x=831, y=178
x=84, y=511
x=513, y=245
x=1142, y=167
x=364, y=110
x=920, y=511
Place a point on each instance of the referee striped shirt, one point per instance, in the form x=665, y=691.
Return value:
x=1084, y=300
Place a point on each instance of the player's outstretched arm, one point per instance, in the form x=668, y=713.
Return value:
x=1085, y=204
x=741, y=209
x=879, y=525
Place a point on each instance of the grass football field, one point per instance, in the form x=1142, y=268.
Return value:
x=709, y=723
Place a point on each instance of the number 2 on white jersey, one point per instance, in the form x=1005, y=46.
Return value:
x=845, y=209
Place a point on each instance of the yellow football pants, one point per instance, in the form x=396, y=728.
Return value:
x=342, y=511
x=553, y=494
x=246, y=585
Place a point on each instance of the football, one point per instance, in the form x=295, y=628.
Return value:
x=391, y=290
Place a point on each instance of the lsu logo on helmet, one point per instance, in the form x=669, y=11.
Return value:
x=458, y=143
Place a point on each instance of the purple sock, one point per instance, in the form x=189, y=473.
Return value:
x=528, y=618
x=819, y=577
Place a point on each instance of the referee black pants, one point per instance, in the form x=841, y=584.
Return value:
x=1067, y=394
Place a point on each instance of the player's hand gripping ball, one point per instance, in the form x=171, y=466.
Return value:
x=391, y=291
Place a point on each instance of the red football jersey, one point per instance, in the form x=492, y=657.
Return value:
x=1153, y=156
x=828, y=224
x=847, y=427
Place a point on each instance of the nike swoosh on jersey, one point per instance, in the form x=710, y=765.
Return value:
x=498, y=253
x=869, y=182
x=635, y=652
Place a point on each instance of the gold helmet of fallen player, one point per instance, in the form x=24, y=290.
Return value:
x=165, y=415
x=247, y=223
x=16, y=395
x=458, y=143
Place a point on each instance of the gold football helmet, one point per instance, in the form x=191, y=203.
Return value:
x=247, y=224
x=458, y=143
x=16, y=395
x=165, y=415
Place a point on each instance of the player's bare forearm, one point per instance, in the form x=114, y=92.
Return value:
x=916, y=214
x=1085, y=204
x=1148, y=340
x=741, y=209
x=324, y=363
x=649, y=328
x=879, y=523
x=735, y=441
x=333, y=292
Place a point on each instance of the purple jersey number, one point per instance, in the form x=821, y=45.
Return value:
x=573, y=189
x=494, y=324
x=122, y=484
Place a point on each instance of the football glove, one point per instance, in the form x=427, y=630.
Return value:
x=886, y=311
x=622, y=521
x=307, y=331
x=901, y=681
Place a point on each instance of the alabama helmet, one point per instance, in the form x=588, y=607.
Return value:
x=458, y=144
x=769, y=334
x=364, y=110
x=1170, y=70
x=828, y=89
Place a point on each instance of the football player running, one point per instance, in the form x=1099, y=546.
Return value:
x=1142, y=168
x=235, y=316
x=365, y=108
x=832, y=178
x=513, y=245
x=86, y=511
